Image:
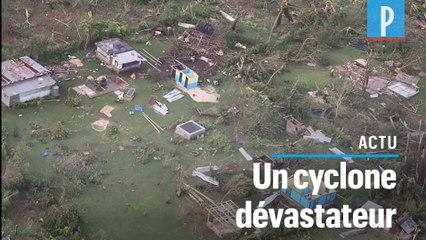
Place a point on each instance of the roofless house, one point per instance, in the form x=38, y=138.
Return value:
x=24, y=79
x=118, y=55
x=183, y=75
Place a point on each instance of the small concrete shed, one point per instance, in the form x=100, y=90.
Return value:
x=190, y=130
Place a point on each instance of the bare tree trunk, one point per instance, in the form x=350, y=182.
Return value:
x=234, y=23
x=421, y=156
x=275, y=24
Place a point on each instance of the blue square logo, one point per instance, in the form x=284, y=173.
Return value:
x=385, y=20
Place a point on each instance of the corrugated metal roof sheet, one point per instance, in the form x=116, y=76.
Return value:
x=15, y=70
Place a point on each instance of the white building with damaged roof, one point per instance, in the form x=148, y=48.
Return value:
x=24, y=79
x=118, y=55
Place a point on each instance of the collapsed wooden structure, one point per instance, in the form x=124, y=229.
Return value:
x=221, y=218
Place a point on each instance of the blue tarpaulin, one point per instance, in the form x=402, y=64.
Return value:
x=138, y=108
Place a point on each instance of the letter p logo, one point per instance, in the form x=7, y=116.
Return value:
x=384, y=23
x=385, y=20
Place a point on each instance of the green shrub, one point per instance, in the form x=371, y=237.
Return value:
x=59, y=131
x=234, y=37
x=264, y=119
x=113, y=131
x=61, y=220
x=219, y=142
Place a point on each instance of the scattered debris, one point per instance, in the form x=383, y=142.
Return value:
x=205, y=28
x=266, y=159
x=403, y=89
x=405, y=78
x=78, y=165
x=84, y=90
x=239, y=45
x=199, y=172
x=130, y=94
x=361, y=62
x=186, y=25
x=195, y=153
x=357, y=75
x=91, y=89
x=311, y=64
x=407, y=223
x=100, y=125
x=190, y=130
x=107, y=109
x=294, y=127
x=337, y=151
x=75, y=61
x=207, y=60
x=158, y=128
x=353, y=232
x=160, y=108
x=268, y=200
x=221, y=219
x=174, y=95
x=152, y=100
x=227, y=16
x=211, y=111
x=120, y=96
x=245, y=154
x=377, y=84
x=317, y=135
x=205, y=94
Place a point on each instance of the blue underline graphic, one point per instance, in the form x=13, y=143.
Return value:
x=377, y=155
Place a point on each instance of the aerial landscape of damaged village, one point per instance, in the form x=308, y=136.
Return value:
x=139, y=119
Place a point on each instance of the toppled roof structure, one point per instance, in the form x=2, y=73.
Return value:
x=200, y=172
x=221, y=218
x=402, y=84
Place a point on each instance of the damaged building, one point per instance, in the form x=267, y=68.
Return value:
x=24, y=79
x=184, y=76
x=118, y=55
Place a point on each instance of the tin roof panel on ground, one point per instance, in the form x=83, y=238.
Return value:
x=403, y=89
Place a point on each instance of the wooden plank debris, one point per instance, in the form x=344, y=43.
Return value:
x=245, y=154
x=353, y=232
x=227, y=16
x=186, y=25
